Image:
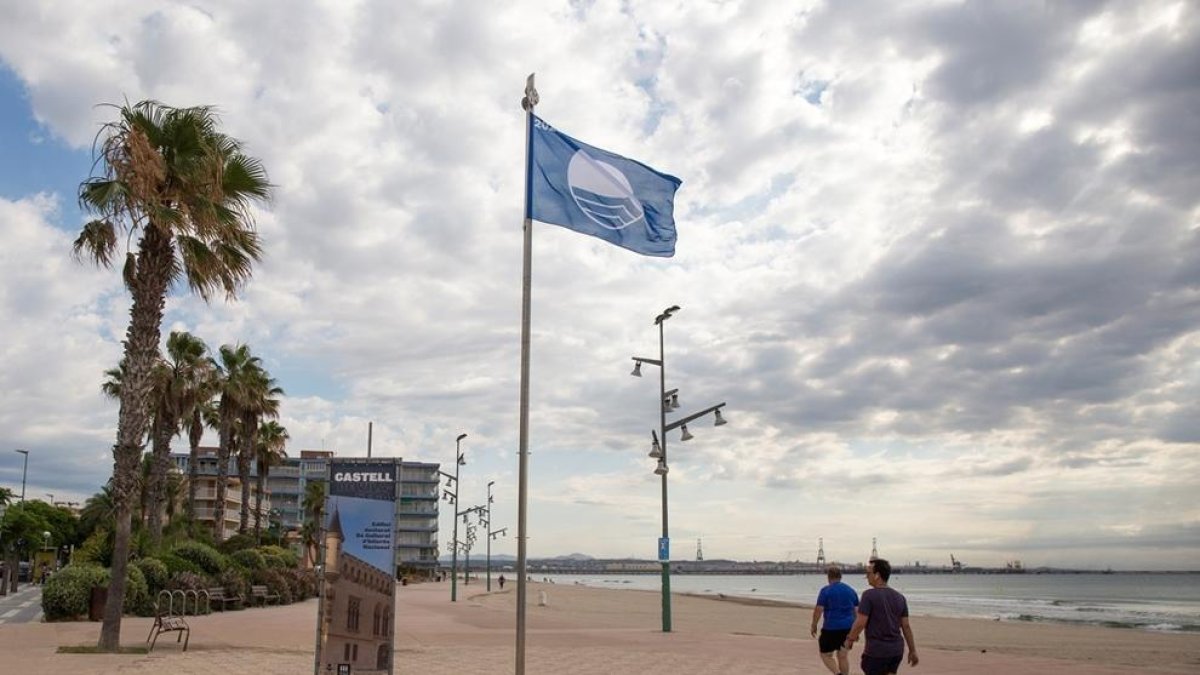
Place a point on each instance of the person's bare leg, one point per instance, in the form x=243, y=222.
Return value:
x=843, y=659
x=830, y=663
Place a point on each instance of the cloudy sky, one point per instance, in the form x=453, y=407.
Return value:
x=941, y=260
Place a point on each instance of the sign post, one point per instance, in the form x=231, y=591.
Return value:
x=356, y=614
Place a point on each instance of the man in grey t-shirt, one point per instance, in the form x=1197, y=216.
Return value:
x=883, y=614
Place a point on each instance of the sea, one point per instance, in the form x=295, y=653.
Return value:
x=1165, y=602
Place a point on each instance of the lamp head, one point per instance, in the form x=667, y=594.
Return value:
x=460, y=437
x=720, y=420
x=637, y=369
x=686, y=436
x=661, y=469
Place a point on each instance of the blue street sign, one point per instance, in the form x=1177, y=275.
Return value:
x=664, y=549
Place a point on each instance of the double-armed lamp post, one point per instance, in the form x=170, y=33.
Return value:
x=667, y=401
x=487, y=523
x=452, y=498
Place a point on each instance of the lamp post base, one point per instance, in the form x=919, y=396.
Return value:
x=666, y=597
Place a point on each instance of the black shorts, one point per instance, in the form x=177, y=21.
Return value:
x=881, y=665
x=832, y=640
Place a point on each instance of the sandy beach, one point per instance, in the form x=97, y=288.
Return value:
x=593, y=631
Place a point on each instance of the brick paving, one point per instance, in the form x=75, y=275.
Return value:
x=474, y=635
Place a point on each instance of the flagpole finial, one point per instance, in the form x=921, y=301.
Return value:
x=531, y=95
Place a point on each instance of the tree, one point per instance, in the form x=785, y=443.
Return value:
x=313, y=505
x=200, y=387
x=184, y=191
x=237, y=380
x=179, y=381
x=272, y=439
x=21, y=532
x=261, y=401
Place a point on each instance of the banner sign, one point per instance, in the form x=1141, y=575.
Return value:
x=356, y=612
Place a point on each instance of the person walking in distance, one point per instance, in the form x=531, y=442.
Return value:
x=836, y=602
x=501, y=582
x=883, y=614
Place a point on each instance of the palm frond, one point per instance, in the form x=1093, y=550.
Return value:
x=96, y=241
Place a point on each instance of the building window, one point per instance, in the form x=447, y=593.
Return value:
x=346, y=653
x=354, y=653
x=352, y=614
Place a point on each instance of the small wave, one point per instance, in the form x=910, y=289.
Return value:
x=1166, y=627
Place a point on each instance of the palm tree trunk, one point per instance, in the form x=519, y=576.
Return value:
x=222, y=475
x=148, y=286
x=258, y=499
x=245, y=457
x=195, y=433
x=160, y=461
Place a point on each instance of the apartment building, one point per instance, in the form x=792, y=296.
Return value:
x=206, y=491
x=416, y=507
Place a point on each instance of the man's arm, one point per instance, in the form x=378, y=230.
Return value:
x=817, y=611
x=860, y=624
x=913, y=659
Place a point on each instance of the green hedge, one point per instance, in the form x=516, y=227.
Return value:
x=248, y=559
x=67, y=593
x=237, y=542
x=208, y=559
x=289, y=557
x=156, y=573
x=177, y=565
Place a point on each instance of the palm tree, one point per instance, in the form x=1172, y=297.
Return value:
x=272, y=439
x=184, y=191
x=262, y=401
x=198, y=385
x=313, y=505
x=238, y=380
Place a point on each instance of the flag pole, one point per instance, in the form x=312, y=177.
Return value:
x=528, y=103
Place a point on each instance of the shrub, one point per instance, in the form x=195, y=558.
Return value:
x=248, y=559
x=236, y=582
x=276, y=583
x=137, y=593
x=305, y=583
x=156, y=574
x=95, y=550
x=238, y=542
x=275, y=562
x=207, y=558
x=289, y=556
x=177, y=565
x=67, y=593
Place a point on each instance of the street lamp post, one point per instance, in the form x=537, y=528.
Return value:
x=453, y=499
x=667, y=400
x=490, y=534
x=467, y=544
x=24, y=472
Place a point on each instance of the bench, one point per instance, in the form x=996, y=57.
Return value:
x=263, y=594
x=166, y=621
x=218, y=595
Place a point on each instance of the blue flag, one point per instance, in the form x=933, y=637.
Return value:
x=596, y=192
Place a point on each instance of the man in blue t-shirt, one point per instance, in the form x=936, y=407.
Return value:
x=836, y=602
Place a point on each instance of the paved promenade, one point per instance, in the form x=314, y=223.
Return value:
x=474, y=635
